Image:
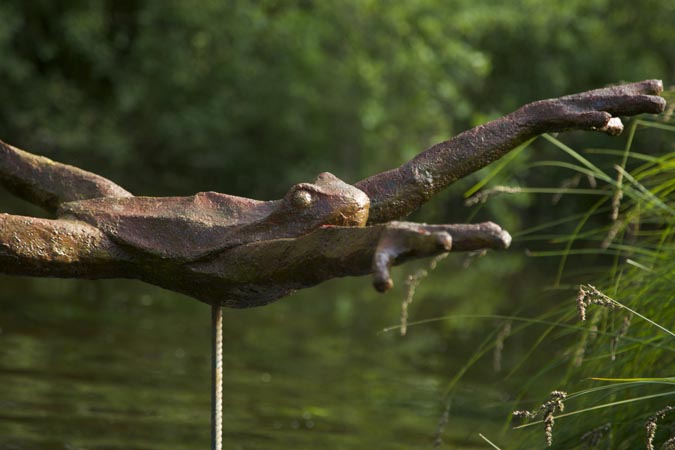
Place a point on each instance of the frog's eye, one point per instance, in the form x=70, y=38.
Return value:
x=301, y=198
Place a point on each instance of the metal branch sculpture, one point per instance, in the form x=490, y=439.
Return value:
x=238, y=252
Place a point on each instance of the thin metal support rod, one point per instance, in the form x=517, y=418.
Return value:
x=217, y=378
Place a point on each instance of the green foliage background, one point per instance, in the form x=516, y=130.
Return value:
x=248, y=97
x=177, y=96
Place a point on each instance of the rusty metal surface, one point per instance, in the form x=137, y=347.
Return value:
x=191, y=228
x=396, y=193
x=238, y=252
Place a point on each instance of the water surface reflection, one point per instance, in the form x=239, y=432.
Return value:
x=121, y=365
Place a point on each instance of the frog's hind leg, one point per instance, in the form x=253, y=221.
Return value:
x=46, y=183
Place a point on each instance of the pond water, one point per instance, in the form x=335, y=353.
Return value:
x=122, y=365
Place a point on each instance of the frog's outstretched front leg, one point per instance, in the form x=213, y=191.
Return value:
x=46, y=183
x=398, y=192
x=404, y=240
x=261, y=272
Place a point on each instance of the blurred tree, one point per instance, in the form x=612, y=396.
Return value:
x=243, y=97
x=178, y=96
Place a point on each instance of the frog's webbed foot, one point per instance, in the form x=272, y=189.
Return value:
x=401, y=241
x=405, y=240
x=598, y=109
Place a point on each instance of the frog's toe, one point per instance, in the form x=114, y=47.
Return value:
x=402, y=241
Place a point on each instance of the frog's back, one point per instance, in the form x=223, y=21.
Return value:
x=185, y=228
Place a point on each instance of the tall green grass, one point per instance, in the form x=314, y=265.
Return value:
x=620, y=365
x=615, y=259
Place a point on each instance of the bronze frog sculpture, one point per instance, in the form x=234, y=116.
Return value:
x=237, y=252
x=188, y=229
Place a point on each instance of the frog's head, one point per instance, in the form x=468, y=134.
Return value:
x=327, y=201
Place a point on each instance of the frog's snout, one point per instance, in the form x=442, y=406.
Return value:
x=358, y=208
x=350, y=205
